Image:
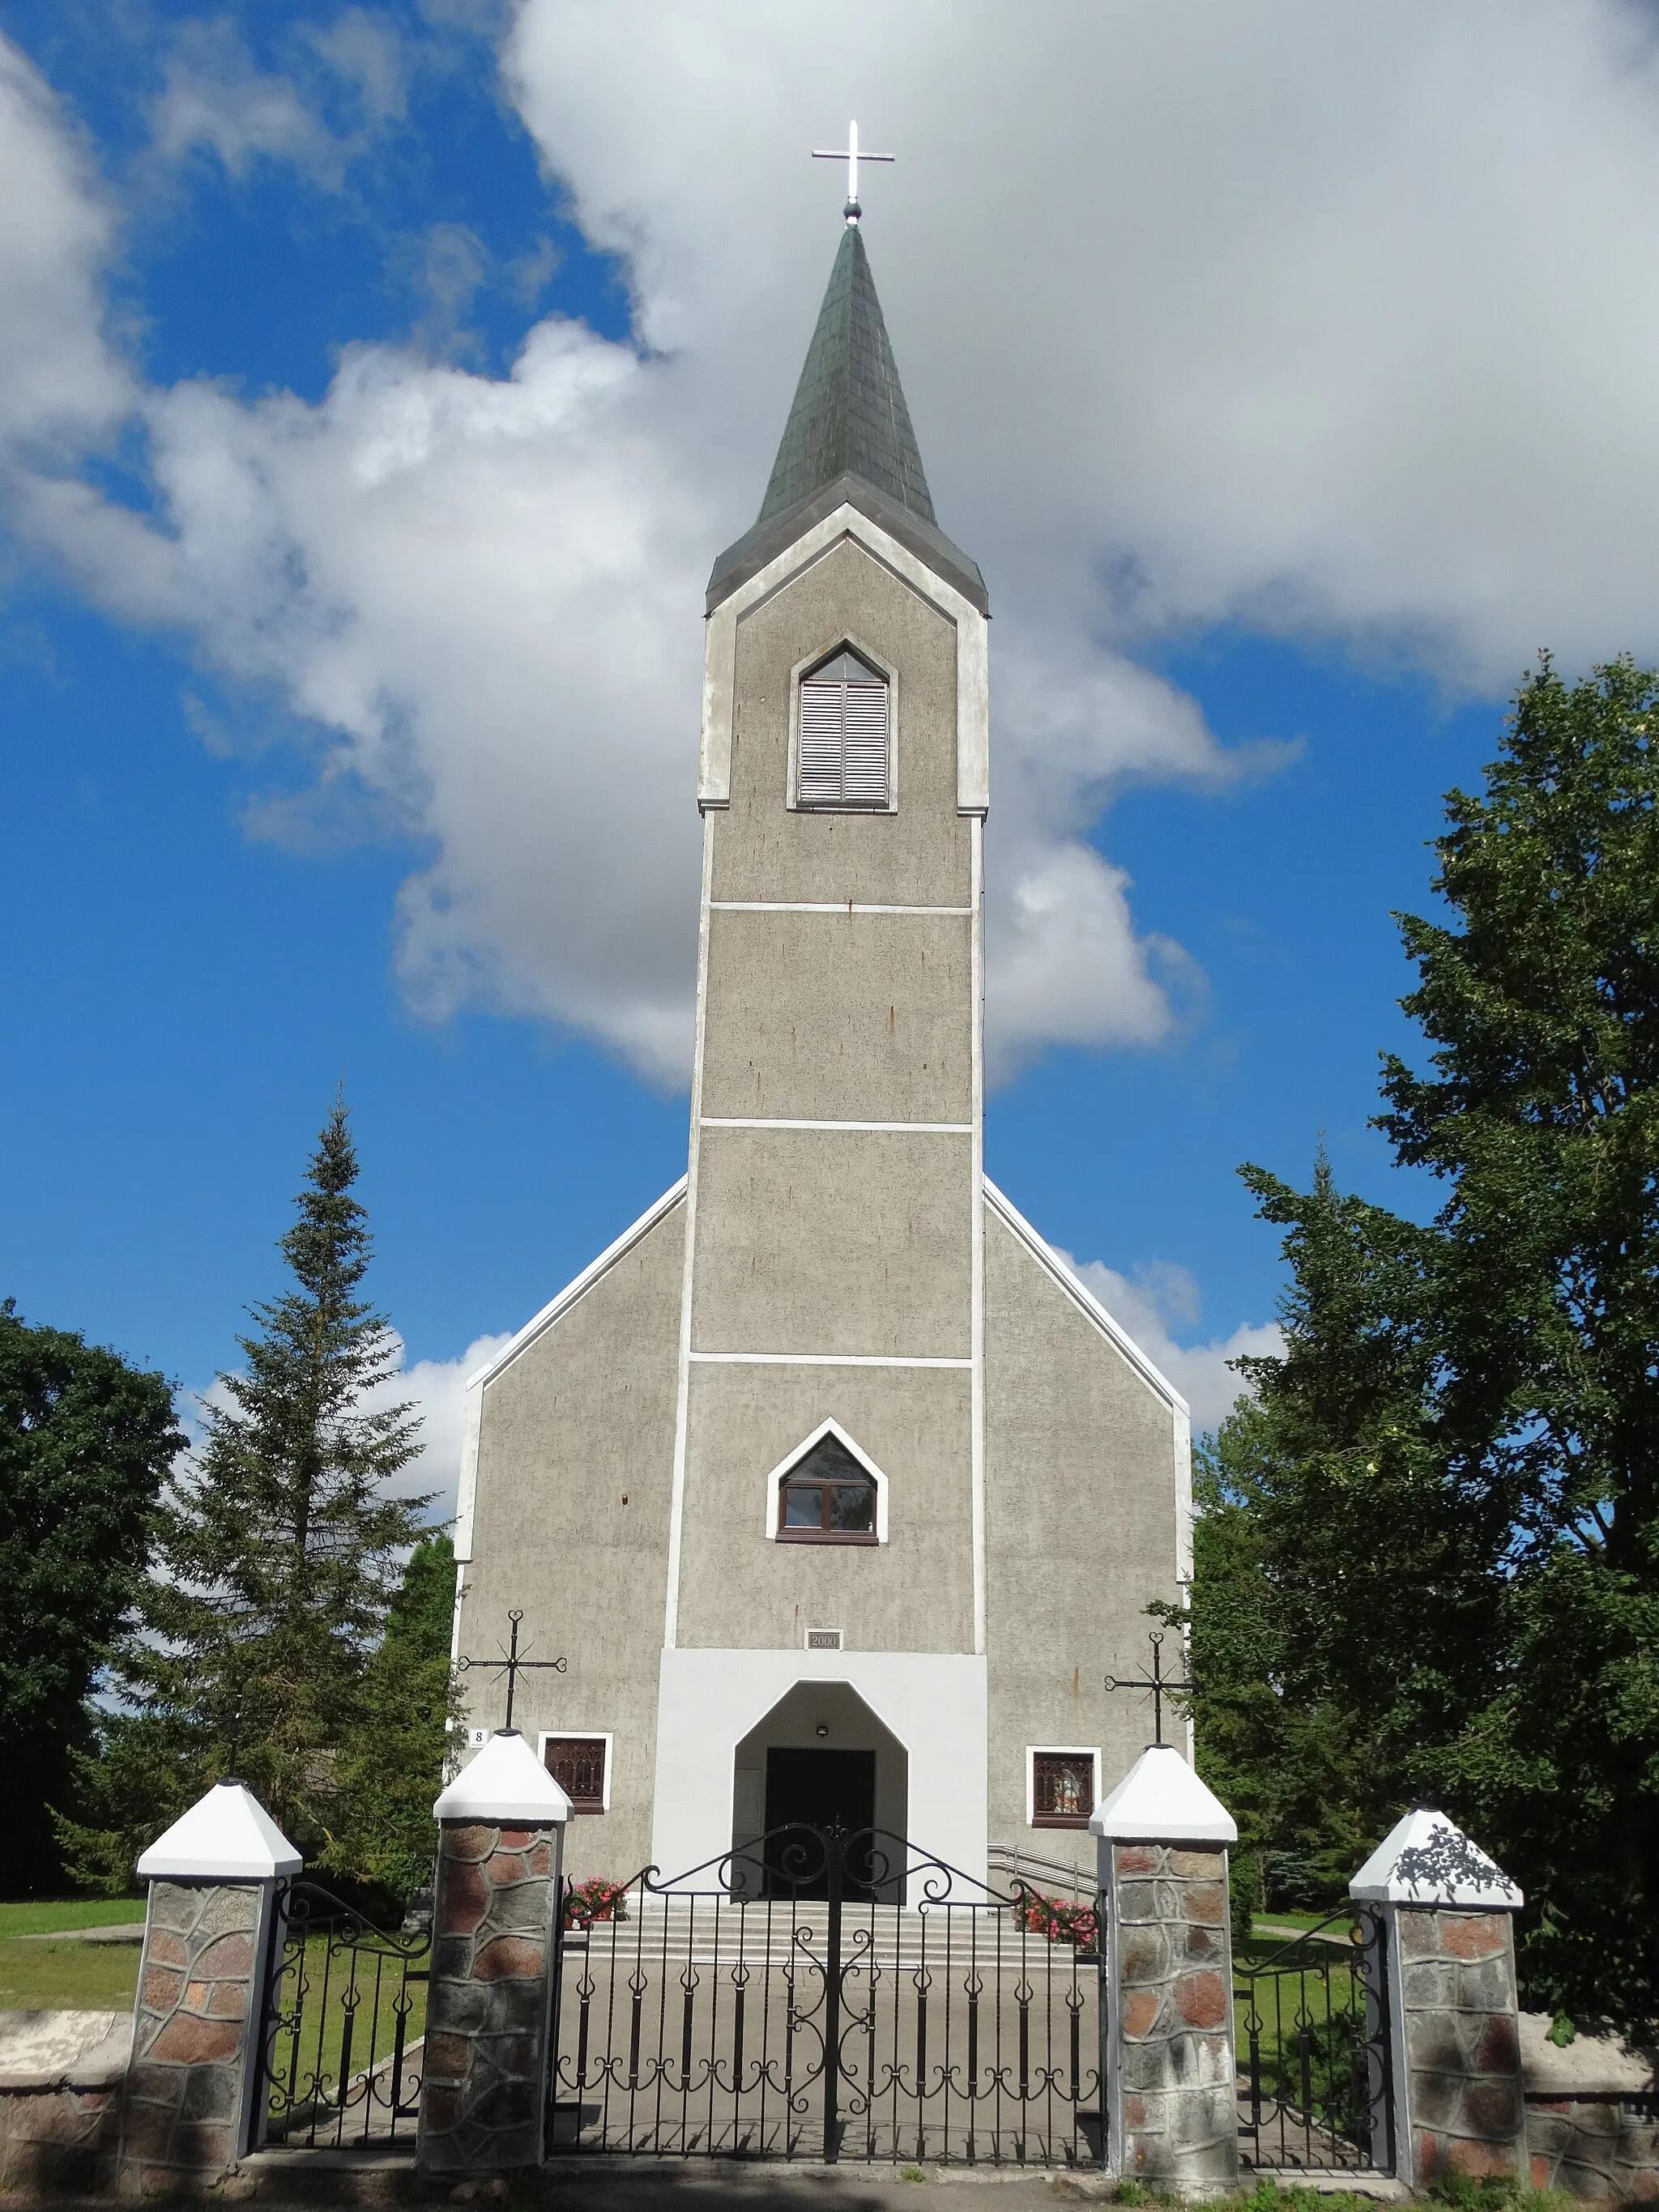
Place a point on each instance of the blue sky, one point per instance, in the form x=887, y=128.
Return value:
x=1250, y=627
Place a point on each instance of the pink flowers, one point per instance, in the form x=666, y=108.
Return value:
x=595, y=1899
x=1059, y=1921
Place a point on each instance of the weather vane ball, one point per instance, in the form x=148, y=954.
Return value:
x=850, y=154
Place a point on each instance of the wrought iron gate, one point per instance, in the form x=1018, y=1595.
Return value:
x=345, y=2011
x=828, y=1995
x=1315, y=2074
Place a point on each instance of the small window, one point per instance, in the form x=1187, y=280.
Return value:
x=581, y=1765
x=842, y=758
x=827, y=1498
x=1062, y=1789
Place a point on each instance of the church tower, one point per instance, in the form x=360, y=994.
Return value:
x=832, y=1323
x=833, y=1487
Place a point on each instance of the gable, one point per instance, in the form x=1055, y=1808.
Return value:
x=534, y=1332
x=1085, y=1300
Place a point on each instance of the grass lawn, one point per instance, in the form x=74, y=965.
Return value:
x=79, y=1977
x=36, y=1918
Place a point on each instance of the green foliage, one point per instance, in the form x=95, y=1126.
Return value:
x=1492, y=2193
x=1243, y=1895
x=1540, y=1111
x=391, y=1758
x=86, y=1441
x=275, y=1558
x=1428, y=1562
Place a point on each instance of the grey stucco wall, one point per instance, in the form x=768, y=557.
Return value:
x=814, y=1240
x=832, y=1016
x=1080, y=1536
x=585, y=1414
x=918, y=855
x=915, y=1593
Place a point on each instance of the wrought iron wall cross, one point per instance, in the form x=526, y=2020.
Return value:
x=1160, y=1684
x=510, y=1664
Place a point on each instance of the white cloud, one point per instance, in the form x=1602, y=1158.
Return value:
x=60, y=384
x=437, y=1390
x=1339, y=322
x=214, y=99
x=1163, y=1295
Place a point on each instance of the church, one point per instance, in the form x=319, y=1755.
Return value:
x=835, y=1490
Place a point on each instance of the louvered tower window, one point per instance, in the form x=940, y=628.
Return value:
x=844, y=709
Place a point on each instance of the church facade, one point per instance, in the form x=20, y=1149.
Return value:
x=837, y=1491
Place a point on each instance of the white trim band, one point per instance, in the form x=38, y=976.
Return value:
x=825, y=906
x=816, y=1359
x=856, y=1128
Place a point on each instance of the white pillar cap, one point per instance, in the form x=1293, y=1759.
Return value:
x=1161, y=1801
x=1426, y=1859
x=505, y=1781
x=227, y=1836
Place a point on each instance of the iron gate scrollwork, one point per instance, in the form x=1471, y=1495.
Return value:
x=345, y=2011
x=824, y=1994
x=1314, y=2069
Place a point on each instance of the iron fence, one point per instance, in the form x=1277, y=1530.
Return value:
x=1311, y=2020
x=827, y=1995
x=345, y=2012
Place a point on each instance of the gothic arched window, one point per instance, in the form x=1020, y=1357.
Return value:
x=844, y=743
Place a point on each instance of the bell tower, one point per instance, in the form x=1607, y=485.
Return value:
x=828, y=1460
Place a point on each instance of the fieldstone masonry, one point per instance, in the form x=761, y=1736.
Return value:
x=489, y=2012
x=495, y=1954
x=61, y=2076
x=194, y=2027
x=1166, y=2037
x=1172, y=1984
x=1464, y=2105
x=191, y=2106
x=1596, y=2146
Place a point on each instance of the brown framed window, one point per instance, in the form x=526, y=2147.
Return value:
x=827, y=1498
x=578, y=1764
x=1062, y=1789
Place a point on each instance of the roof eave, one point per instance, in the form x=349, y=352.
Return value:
x=765, y=540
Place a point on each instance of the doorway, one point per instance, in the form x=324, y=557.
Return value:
x=809, y=1790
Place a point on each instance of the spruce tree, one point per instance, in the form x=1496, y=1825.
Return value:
x=391, y=1759
x=277, y=1555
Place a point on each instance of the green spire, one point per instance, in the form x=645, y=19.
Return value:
x=848, y=440
x=849, y=417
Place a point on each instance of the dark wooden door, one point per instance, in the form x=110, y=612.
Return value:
x=806, y=1792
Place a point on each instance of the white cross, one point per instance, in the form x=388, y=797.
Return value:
x=851, y=155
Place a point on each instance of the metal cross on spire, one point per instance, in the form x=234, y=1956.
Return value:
x=1160, y=1684
x=511, y=1665
x=852, y=156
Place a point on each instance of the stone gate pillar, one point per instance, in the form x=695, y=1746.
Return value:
x=191, y=2104
x=1448, y=1939
x=1167, y=2030
x=495, y=1952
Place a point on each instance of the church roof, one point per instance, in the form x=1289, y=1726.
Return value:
x=848, y=440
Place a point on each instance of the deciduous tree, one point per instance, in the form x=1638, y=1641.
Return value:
x=86, y=1441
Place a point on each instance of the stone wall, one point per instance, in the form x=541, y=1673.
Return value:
x=1463, y=2053
x=193, y=2031
x=1172, y=1986
x=1591, y=2146
x=487, y=2013
x=60, y=2098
